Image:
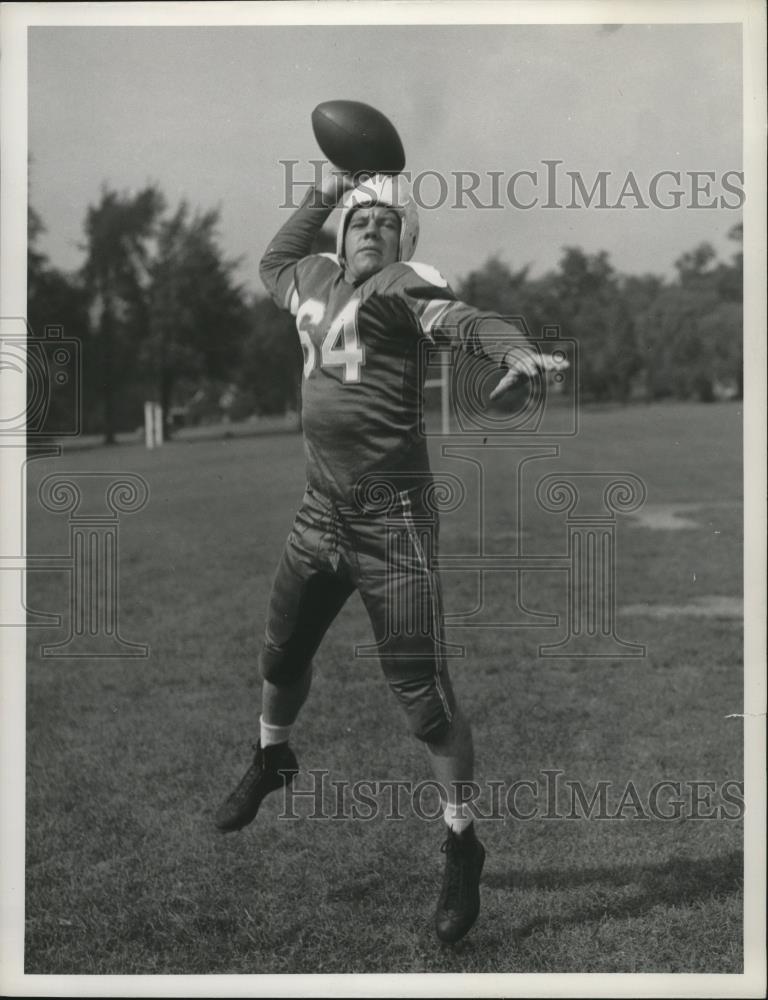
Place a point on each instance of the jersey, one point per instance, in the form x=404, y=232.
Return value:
x=363, y=347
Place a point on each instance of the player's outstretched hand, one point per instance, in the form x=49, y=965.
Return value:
x=520, y=361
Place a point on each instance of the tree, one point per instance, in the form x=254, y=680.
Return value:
x=592, y=308
x=56, y=300
x=696, y=268
x=270, y=373
x=640, y=294
x=703, y=315
x=37, y=262
x=720, y=336
x=197, y=317
x=584, y=299
x=119, y=231
x=495, y=287
x=730, y=277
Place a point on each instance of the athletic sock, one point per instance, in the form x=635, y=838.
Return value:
x=457, y=817
x=271, y=735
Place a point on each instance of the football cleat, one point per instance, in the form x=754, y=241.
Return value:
x=273, y=767
x=459, y=902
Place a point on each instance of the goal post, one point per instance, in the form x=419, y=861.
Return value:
x=443, y=382
x=153, y=424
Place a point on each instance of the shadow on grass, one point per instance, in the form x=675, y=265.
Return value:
x=679, y=881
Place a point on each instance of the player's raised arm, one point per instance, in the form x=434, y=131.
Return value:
x=293, y=241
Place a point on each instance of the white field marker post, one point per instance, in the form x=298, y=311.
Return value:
x=445, y=399
x=444, y=382
x=153, y=425
x=158, y=421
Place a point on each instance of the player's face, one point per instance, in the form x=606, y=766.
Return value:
x=372, y=240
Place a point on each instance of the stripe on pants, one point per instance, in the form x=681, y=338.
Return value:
x=405, y=502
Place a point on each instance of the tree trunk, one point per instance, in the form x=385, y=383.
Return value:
x=108, y=383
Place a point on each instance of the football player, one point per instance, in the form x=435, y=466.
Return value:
x=366, y=521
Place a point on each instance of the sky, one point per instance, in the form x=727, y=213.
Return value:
x=209, y=113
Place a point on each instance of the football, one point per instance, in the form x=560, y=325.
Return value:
x=357, y=137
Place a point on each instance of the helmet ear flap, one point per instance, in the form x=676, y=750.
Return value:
x=409, y=230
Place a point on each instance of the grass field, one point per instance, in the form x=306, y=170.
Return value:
x=127, y=759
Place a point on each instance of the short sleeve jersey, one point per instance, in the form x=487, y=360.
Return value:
x=364, y=362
